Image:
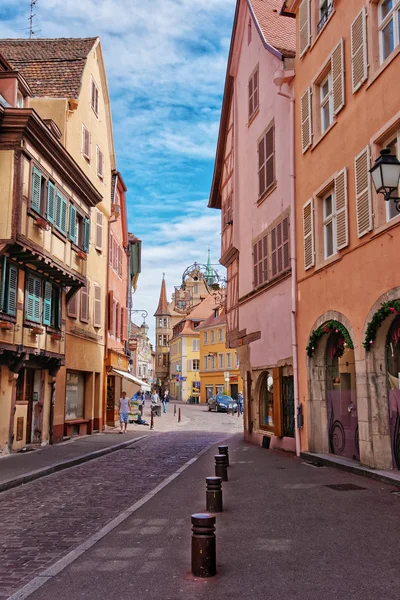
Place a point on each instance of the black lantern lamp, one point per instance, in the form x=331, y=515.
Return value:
x=386, y=176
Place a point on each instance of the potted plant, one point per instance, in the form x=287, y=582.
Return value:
x=56, y=335
x=82, y=254
x=6, y=325
x=36, y=330
x=41, y=223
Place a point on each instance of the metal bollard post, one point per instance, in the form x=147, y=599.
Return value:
x=221, y=469
x=174, y=410
x=224, y=450
x=151, y=419
x=179, y=415
x=203, y=545
x=214, y=494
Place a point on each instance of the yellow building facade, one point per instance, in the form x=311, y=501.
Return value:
x=219, y=365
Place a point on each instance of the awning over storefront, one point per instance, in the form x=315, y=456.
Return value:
x=129, y=377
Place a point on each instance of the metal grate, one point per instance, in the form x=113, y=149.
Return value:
x=345, y=487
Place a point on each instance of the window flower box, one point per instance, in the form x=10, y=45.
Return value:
x=56, y=335
x=82, y=254
x=6, y=326
x=36, y=330
x=41, y=223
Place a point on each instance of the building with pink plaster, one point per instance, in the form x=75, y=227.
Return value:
x=253, y=185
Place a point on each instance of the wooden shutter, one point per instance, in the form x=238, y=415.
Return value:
x=269, y=155
x=72, y=223
x=64, y=208
x=304, y=27
x=47, y=297
x=125, y=328
x=33, y=297
x=36, y=189
x=250, y=90
x=285, y=242
x=110, y=311
x=227, y=210
x=190, y=365
x=97, y=306
x=308, y=234
x=51, y=196
x=110, y=251
x=85, y=142
x=86, y=235
x=306, y=123
x=72, y=306
x=100, y=163
x=3, y=271
x=363, y=192
x=117, y=319
x=255, y=266
x=12, y=292
x=85, y=295
x=60, y=220
x=337, y=67
x=99, y=230
x=359, y=57
x=120, y=261
x=115, y=255
x=342, y=211
x=261, y=167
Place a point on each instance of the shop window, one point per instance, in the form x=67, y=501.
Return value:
x=209, y=391
x=393, y=383
x=266, y=401
x=74, y=396
x=219, y=390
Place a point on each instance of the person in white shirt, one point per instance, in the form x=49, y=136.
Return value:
x=123, y=412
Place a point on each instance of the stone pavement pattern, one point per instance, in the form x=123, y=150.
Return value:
x=284, y=535
x=43, y=520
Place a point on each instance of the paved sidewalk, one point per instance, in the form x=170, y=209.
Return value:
x=289, y=531
x=22, y=467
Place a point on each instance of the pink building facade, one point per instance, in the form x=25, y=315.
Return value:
x=253, y=187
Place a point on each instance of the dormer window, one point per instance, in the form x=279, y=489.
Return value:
x=20, y=100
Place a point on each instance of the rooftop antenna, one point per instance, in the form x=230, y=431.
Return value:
x=31, y=16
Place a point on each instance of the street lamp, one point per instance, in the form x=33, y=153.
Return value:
x=386, y=176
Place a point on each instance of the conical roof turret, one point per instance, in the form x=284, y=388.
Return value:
x=209, y=276
x=162, y=308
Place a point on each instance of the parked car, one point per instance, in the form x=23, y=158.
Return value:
x=222, y=403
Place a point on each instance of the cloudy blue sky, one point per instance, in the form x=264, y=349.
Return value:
x=165, y=62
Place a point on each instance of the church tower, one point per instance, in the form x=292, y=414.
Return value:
x=163, y=335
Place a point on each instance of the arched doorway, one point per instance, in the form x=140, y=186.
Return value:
x=341, y=397
x=393, y=386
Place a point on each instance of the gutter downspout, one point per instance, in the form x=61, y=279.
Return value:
x=293, y=257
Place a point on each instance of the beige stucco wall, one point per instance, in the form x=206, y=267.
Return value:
x=6, y=189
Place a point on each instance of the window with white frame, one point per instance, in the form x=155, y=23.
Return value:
x=213, y=361
x=220, y=361
x=100, y=162
x=196, y=364
x=325, y=9
x=228, y=360
x=213, y=336
x=326, y=102
x=388, y=26
x=206, y=337
x=220, y=335
x=393, y=145
x=329, y=223
x=236, y=360
x=195, y=345
x=253, y=93
x=195, y=289
x=206, y=363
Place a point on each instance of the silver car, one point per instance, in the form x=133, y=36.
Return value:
x=222, y=403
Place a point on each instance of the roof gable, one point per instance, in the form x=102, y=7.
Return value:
x=52, y=67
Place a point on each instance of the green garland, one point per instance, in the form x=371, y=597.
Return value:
x=328, y=328
x=387, y=308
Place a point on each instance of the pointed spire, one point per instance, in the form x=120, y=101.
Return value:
x=209, y=271
x=162, y=308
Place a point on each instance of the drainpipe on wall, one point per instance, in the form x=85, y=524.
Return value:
x=281, y=77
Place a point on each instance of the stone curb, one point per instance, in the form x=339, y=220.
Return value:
x=65, y=464
x=328, y=461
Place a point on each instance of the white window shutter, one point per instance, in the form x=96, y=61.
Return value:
x=337, y=68
x=99, y=230
x=190, y=365
x=342, y=211
x=363, y=192
x=359, y=56
x=308, y=234
x=97, y=306
x=306, y=124
x=304, y=27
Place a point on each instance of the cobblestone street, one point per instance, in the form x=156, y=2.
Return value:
x=42, y=521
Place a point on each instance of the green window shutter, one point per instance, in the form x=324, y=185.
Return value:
x=33, y=295
x=36, y=189
x=51, y=193
x=12, y=292
x=60, y=220
x=58, y=319
x=3, y=283
x=48, y=292
x=64, y=208
x=72, y=224
x=57, y=217
x=86, y=235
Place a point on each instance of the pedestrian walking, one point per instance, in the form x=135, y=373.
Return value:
x=240, y=402
x=123, y=412
x=164, y=402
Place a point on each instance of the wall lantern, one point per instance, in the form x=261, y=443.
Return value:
x=386, y=176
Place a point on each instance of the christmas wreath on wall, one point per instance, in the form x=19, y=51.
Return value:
x=331, y=326
x=386, y=309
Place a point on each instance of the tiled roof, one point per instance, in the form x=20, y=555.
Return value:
x=279, y=31
x=202, y=310
x=213, y=321
x=162, y=308
x=52, y=67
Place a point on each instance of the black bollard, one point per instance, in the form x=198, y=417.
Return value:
x=221, y=469
x=224, y=450
x=151, y=419
x=203, y=545
x=179, y=415
x=174, y=410
x=214, y=494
